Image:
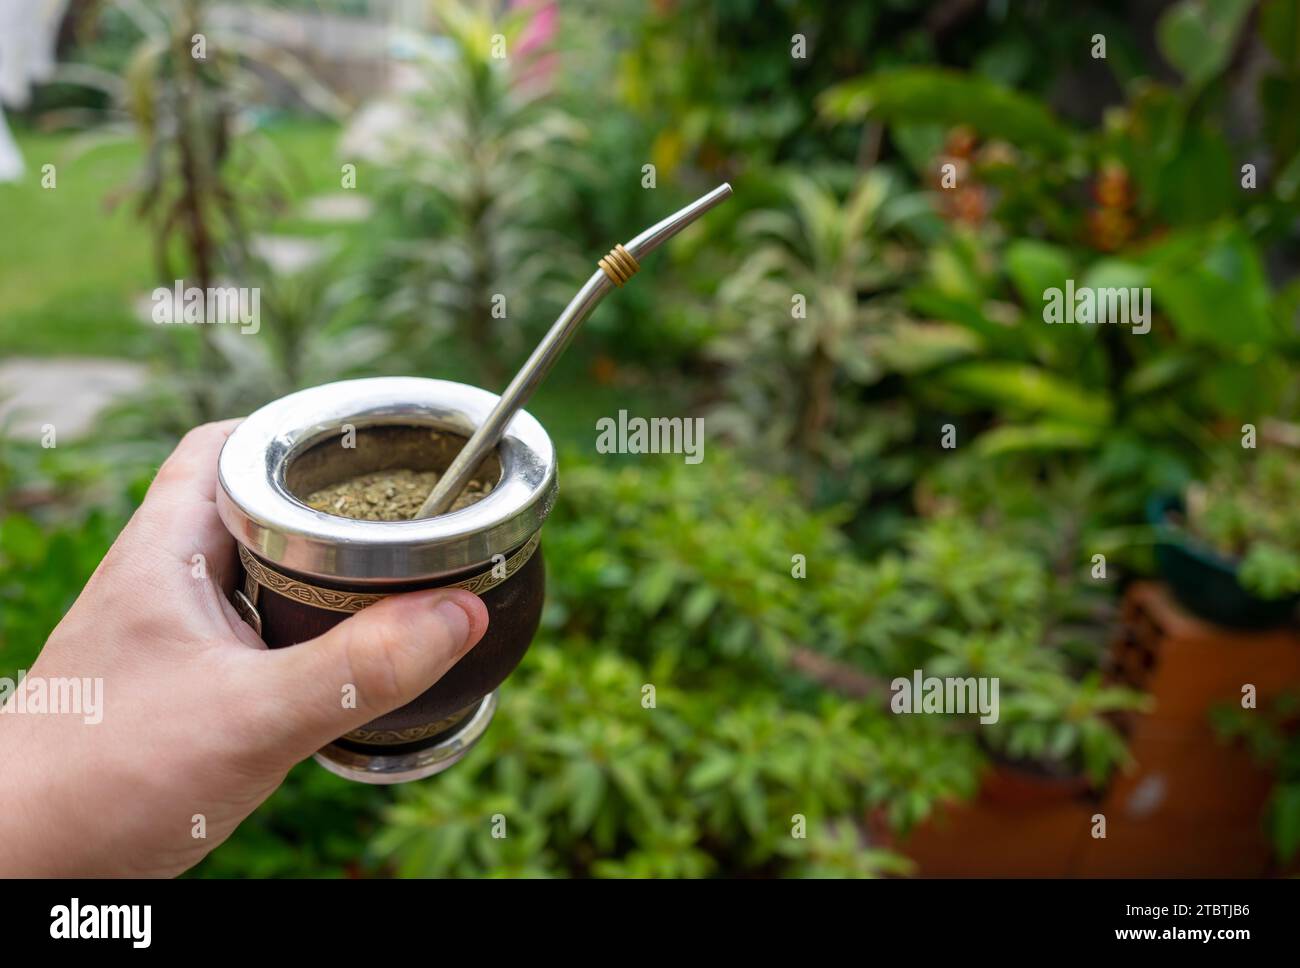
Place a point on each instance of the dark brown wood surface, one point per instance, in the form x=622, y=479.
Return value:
x=514, y=609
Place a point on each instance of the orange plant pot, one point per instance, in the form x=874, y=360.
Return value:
x=1191, y=806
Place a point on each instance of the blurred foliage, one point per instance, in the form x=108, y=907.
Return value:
x=965, y=600
x=706, y=781
x=814, y=312
x=1247, y=512
x=206, y=183
x=1140, y=201
x=315, y=825
x=658, y=582
x=912, y=182
x=704, y=577
x=473, y=173
x=1272, y=734
x=1063, y=725
x=690, y=590
x=185, y=103
x=59, y=512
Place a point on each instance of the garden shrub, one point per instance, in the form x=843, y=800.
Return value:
x=680, y=578
x=1247, y=511
x=711, y=779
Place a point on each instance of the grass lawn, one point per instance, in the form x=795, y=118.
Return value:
x=70, y=267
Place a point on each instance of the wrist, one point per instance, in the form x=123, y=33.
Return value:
x=28, y=812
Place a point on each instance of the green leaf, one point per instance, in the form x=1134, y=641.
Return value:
x=630, y=783
x=1044, y=437
x=912, y=348
x=443, y=848
x=22, y=540
x=1115, y=274
x=925, y=94
x=699, y=605
x=654, y=586
x=710, y=772
x=1161, y=373
x=1212, y=285
x=964, y=312
x=919, y=143
x=1279, y=27
x=1286, y=821
x=1062, y=741
x=753, y=808
x=587, y=784
x=1034, y=268
x=1028, y=390
x=1198, y=183
x=1198, y=36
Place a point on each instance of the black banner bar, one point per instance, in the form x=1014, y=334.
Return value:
x=334, y=918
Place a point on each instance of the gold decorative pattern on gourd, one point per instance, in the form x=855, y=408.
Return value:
x=342, y=601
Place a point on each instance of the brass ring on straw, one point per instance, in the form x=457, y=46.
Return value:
x=619, y=265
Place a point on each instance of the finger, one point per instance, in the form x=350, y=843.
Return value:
x=382, y=657
x=191, y=470
x=175, y=540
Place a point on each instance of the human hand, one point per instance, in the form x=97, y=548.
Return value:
x=199, y=718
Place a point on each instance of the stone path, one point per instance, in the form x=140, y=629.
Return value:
x=68, y=392
x=288, y=255
x=340, y=207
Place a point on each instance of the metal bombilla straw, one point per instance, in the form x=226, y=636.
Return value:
x=615, y=269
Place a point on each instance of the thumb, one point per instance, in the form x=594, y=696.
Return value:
x=388, y=653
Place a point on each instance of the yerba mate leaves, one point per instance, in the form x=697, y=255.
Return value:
x=387, y=495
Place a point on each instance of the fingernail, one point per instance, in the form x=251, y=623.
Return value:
x=456, y=618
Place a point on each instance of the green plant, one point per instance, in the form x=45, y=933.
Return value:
x=314, y=825
x=1272, y=734
x=314, y=331
x=932, y=585
x=813, y=316
x=1150, y=199
x=475, y=176
x=1065, y=508
x=55, y=525
x=581, y=776
x=690, y=564
x=1246, y=511
x=1064, y=725
x=686, y=584
x=964, y=601
x=204, y=181
x=720, y=95
x=694, y=578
